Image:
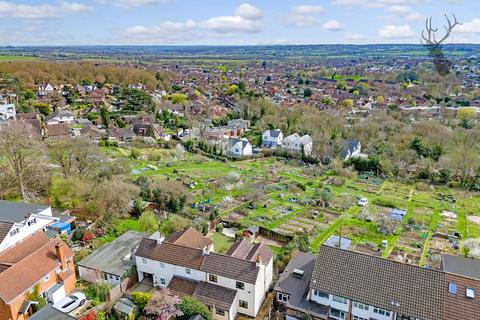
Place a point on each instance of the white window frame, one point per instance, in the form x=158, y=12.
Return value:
x=470, y=293
x=163, y=282
x=283, y=297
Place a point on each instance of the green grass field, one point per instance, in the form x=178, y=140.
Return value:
x=16, y=58
x=279, y=195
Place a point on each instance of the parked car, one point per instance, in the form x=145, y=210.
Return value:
x=71, y=302
x=363, y=202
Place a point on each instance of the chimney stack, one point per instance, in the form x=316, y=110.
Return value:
x=259, y=260
x=60, y=251
x=205, y=251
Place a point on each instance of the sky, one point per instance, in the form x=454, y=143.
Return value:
x=231, y=22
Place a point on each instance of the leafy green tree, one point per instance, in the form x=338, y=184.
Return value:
x=141, y=298
x=191, y=306
x=148, y=221
x=105, y=116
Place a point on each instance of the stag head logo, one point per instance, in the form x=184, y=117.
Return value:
x=442, y=64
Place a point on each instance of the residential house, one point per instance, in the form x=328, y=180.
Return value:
x=44, y=89
x=112, y=261
x=272, y=138
x=121, y=134
x=62, y=116
x=229, y=284
x=236, y=127
x=33, y=123
x=350, y=149
x=35, y=264
x=298, y=144
x=57, y=131
x=20, y=220
x=92, y=132
x=7, y=112
x=344, y=285
x=239, y=147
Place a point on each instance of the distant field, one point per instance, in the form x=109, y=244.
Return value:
x=16, y=58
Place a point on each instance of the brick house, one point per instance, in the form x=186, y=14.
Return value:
x=344, y=285
x=35, y=264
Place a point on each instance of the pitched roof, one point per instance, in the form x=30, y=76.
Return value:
x=391, y=285
x=170, y=253
x=5, y=227
x=230, y=267
x=190, y=238
x=240, y=249
x=27, y=263
x=59, y=129
x=222, y=265
x=207, y=293
x=16, y=212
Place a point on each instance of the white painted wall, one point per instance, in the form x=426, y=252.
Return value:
x=253, y=294
x=165, y=271
x=44, y=218
x=330, y=302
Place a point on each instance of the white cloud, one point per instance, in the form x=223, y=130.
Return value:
x=302, y=16
x=42, y=11
x=247, y=11
x=396, y=32
x=228, y=24
x=356, y=36
x=332, y=25
x=132, y=3
x=405, y=12
x=469, y=27
x=307, y=9
x=246, y=19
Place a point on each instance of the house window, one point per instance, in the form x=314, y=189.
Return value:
x=188, y=271
x=282, y=297
x=162, y=281
x=14, y=231
x=359, y=318
x=162, y=265
x=47, y=278
x=452, y=288
x=220, y=312
x=321, y=294
x=470, y=293
x=240, y=285
x=360, y=306
x=144, y=261
x=381, y=312
x=337, y=314
x=243, y=304
x=212, y=278
x=340, y=299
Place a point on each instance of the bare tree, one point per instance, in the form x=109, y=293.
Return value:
x=19, y=147
x=62, y=154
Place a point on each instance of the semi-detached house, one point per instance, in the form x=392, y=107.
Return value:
x=231, y=283
x=344, y=285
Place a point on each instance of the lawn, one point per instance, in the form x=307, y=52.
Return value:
x=16, y=58
x=222, y=242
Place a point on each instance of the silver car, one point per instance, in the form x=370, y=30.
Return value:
x=71, y=302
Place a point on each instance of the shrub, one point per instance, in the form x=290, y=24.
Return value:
x=91, y=315
x=141, y=298
x=219, y=227
x=88, y=236
x=191, y=306
x=98, y=291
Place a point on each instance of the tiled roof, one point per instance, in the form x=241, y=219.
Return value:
x=262, y=251
x=4, y=229
x=391, y=285
x=208, y=293
x=170, y=253
x=30, y=261
x=230, y=267
x=222, y=265
x=214, y=295
x=182, y=286
x=240, y=249
x=190, y=238
x=55, y=130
